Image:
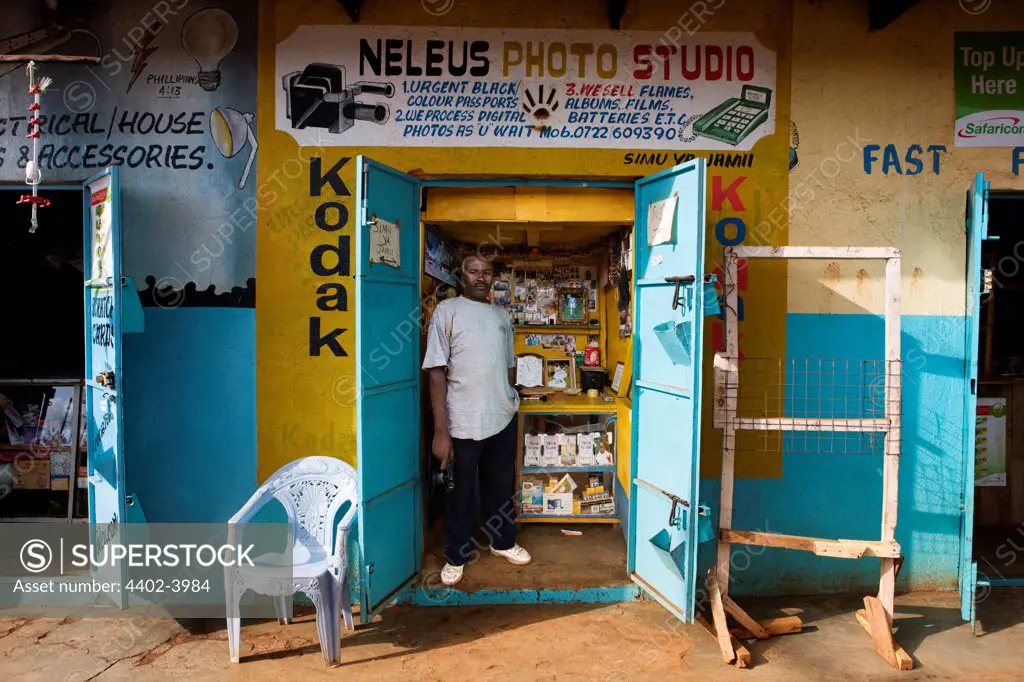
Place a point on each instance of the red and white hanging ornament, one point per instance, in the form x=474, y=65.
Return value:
x=32, y=174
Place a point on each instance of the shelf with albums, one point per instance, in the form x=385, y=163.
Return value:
x=42, y=448
x=567, y=466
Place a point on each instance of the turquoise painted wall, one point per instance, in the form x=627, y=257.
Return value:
x=190, y=413
x=839, y=496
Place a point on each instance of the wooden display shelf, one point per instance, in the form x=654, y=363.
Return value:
x=28, y=447
x=547, y=328
x=575, y=518
x=559, y=402
x=600, y=469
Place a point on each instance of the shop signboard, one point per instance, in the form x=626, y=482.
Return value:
x=388, y=86
x=988, y=75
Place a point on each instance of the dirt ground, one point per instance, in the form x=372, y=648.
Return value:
x=597, y=559
x=621, y=642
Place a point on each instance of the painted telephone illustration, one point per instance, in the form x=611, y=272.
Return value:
x=735, y=118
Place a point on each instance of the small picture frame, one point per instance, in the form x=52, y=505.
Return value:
x=530, y=370
x=572, y=306
x=557, y=374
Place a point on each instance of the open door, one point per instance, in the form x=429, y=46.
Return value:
x=667, y=329
x=387, y=381
x=104, y=286
x=977, y=230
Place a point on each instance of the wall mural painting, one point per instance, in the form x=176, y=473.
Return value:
x=173, y=103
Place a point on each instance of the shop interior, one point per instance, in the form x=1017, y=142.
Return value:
x=999, y=439
x=563, y=273
x=42, y=360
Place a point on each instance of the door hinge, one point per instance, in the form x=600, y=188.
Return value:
x=369, y=574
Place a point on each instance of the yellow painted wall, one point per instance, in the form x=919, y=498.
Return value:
x=892, y=86
x=309, y=400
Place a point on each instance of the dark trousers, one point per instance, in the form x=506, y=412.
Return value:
x=494, y=459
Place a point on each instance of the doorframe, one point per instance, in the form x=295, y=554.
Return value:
x=12, y=186
x=1004, y=194
x=419, y=594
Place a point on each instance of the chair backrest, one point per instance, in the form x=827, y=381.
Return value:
x=312, y=490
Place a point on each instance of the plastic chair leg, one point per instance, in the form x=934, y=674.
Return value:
x=328, y=617
x=283, y=608
x=346, y=606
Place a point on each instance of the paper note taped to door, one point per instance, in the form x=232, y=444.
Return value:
x=384, y=243
x=660, y=219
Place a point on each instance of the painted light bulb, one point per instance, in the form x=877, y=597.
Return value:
x=209, y=36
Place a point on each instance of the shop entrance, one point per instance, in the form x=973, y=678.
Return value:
x=603, y=285
x=997, y=458
x=42, y=360
x=564, y=277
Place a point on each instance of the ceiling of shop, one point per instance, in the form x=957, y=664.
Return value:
x=531, y=234
x=881, y=13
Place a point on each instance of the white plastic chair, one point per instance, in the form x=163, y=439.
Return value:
x=311, y=490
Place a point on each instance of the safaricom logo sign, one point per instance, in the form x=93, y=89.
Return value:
x=991, y=129
x=1001, y=125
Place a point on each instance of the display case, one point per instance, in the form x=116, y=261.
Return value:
x=567, y=462
x=41, y=447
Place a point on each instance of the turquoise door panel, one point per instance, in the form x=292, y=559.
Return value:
x=104, y=309
x=387, y=382
x=977, y=230
x=669, y=301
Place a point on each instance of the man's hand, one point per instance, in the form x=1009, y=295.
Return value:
x=443, y=449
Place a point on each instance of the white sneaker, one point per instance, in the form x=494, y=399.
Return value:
x=451, y=574
x=516, y=555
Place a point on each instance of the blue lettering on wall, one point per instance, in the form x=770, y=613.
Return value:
x=893, y=162
x=1017, y=160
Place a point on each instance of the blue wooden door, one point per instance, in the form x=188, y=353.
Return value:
x=667, y=327
x=387, y=380
x=104, y=286
x=977, y=230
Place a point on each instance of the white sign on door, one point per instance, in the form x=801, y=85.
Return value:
x=384, y=243
x=661, y=216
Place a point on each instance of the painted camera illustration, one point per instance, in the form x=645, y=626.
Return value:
x=318, y=97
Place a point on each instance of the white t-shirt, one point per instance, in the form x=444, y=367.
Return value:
x=475, y=342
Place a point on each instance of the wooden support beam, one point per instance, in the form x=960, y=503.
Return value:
x=787, y=625
x=742, y=659
x=818, y=252
x=744, y=619
x=616, y=10
x=843, y=549
x=811, y=424
x=881, y=13
x=891, y=459
x=44, y=58
x=732, y=354
x=874, y=620
x=353, y=8
x=721, y=623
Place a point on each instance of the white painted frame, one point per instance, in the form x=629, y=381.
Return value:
x=726, y=371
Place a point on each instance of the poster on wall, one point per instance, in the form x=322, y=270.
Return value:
x=439, y=259
x=990, y=443
x=371, y=86
x=988, y=75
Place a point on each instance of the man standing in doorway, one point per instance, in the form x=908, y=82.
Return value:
x=471, y=363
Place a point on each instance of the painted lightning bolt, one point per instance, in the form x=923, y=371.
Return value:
x=142, y=53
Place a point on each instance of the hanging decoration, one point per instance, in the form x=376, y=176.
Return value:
x=33, y=176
